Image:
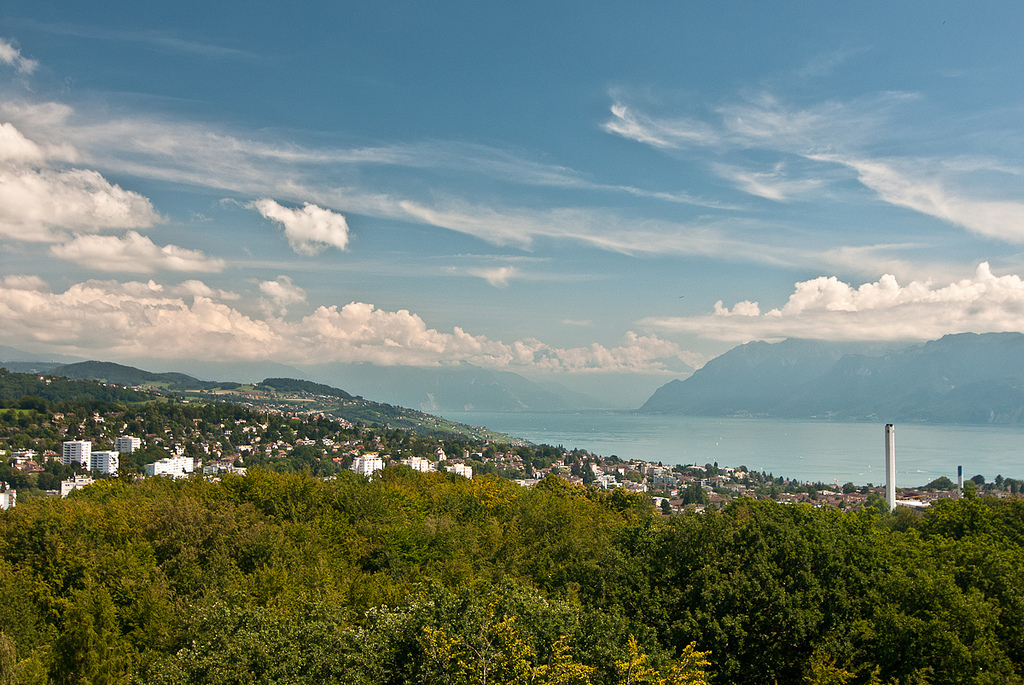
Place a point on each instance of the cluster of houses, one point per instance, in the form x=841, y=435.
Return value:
x=673, y=488
x=370, y=462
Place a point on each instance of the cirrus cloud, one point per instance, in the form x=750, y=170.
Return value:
x=12, y=56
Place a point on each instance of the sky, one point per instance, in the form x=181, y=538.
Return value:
x=560, y=189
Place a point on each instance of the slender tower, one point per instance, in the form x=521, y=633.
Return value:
x=890, y=465
x=959, y=481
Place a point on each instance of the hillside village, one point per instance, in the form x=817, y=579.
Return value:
x=50, y=449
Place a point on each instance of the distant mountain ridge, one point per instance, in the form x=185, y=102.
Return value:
x=109, y=372
x=296, y=385
x=463, y=387
x=961, y=378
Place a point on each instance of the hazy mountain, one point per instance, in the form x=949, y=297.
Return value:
x=109, y=372
x=13, y=354
x=452, y=388
x=238, y=372
x=750, y=379
x=964, y=378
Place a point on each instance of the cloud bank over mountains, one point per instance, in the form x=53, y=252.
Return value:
x=148, y=319
x=825, y=308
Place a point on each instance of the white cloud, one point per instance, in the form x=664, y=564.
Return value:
x=115, y=319
x=193, y=288
x=16, y=148
x=281, y=293
x=771, y=185
x=744, y=308
x=663, y=133
x=131, y=319
x=309, y=230
x=12, y=56
x=828, y=309
x=38, y=203
x=996, y=219
x=20, y=282
x=498, y=276
x=827, y=133
x=133, y=253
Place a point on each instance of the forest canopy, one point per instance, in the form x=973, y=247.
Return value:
x=434, y=578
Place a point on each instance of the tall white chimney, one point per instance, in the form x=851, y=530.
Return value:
x=959, y=481
x=890, y=465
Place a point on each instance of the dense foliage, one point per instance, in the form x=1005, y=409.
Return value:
x=433, y=578
x=14, y=387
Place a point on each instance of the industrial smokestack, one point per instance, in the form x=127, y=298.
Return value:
x=890, y=465
x=959, y=482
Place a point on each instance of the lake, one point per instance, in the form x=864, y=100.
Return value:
x=805, y=450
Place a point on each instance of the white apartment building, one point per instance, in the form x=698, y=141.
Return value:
x=106, y=462
x=419, y=464
x=464, y=470
x=175, y=467
x=76, y=483
x=77, y=452
x=7, y=496
x=126, y=444
x=23, y=456
x=367, y=464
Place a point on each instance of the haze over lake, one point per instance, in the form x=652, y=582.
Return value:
x=806, y=450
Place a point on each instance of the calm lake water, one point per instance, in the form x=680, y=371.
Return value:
x=806, y=450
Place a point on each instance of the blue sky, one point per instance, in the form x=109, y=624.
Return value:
x=564, y=190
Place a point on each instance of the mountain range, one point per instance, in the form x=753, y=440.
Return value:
x=963, y=378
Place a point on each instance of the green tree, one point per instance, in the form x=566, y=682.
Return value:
x=90, y=649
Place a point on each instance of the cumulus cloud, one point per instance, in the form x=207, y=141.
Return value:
x=12, y=56
x=193, y=288
x=133, y=253
x=38, y=203
x=148, y=319
x=309, y=230
x=281, y=293
x=498, y=276
x=132, y=319
x=21, y=282
x=826, y=308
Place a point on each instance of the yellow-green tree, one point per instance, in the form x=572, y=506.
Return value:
x=688, y=669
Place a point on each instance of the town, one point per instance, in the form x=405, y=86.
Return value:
x=52, y=449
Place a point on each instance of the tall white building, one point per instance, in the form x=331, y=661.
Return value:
x=126, y=444
x=77, y=452
x=367, y=464
x=175, y=467
x=106, y=462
